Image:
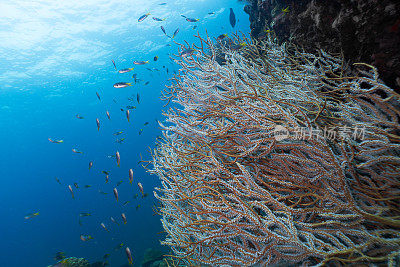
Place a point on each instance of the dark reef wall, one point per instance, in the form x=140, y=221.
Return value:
x=363, y=30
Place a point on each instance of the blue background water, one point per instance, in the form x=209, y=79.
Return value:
x=55, y=56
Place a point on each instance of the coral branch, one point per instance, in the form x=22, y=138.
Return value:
x=235, y=194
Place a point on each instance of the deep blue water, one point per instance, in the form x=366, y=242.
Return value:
x=54, y=57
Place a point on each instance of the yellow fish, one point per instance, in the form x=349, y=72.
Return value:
x=31, y=215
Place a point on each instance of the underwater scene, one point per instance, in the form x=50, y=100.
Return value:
x=199, y=133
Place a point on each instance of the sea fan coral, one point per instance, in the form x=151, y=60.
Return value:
x=274, y=154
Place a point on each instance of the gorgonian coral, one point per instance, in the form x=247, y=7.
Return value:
x=234, y=193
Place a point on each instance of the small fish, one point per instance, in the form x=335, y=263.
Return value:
x=124, y=218
x=116, y=193
x=125, y=70
x=105, y=172
x=175, y=33
x=129, y=255
x=122, y=85
x=137, y=207
x=126, y=203
x=58, y=180
x=114, y=64
x=114, y=221
x=183, y=16
x=79, y=117
x=90, y=164
x=55, y=141
x=143, y=17
x=192, y=19
x=138, y=98
x=140, y=62
x=140, y=131
x=168, y=45
x=222, y=36
x=84, y=214
x=163, y=30
x=238, y=46
x=146, y=83
x=140, y=188
x=108, y=114
x=88, y=186
x=98, y=96
x=103, y=193
x=232, y=18
x=117, y=156
x=72, y=192
x=211, y=13
x=194, y=27
x=286, y=10
x=98, y=124
x=162, y=4
x=130, y=107
x=120, y=140
x=187, y=52
x=135, y=196
x=107, y=178
x=130, y=176
x=119, y=183
x=106, y=256
x=76, y=185
x=149, y=69
x=86, y=237
x=31, y=215
x=119, y=246
x=127, y=114
x=158, y=19
x=155, y=58
x=77, y=151
x=104, y=227
x=146, y=123
x=118, y=133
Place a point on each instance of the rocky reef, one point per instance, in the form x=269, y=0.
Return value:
x=362, y=31
x=72, y=262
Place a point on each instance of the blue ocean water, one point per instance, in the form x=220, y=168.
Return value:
x=55, y=56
